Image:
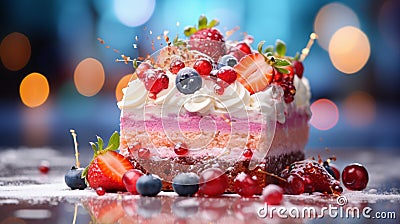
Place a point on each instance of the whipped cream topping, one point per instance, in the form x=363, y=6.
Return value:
x=235, y=99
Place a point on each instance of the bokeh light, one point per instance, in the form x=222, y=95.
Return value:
x=134, y=12
x=325, y=114
x=89, y=77
x=34, y=90
x=330, y=18
x=15, y=51
x=123, y=82
x=349, y=49
x=359, y=109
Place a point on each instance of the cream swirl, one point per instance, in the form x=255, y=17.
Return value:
x=303, y=93
x=270, y=101
x=135, y=95
x=235, y=98
x=171, y=97
x=202, y=100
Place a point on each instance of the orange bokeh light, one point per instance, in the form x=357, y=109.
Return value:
x=349, y=49
x=34, y=90
x=15, y=51
x=359, y=109
x=325, y=114
x=330, y=18
x=89, y=77
x=123, y=82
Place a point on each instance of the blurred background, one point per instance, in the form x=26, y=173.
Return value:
x=58, y=68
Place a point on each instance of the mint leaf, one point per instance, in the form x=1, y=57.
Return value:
x=282, y=70
x=202, y=22
x=269, y=48
x=94, y=147
x=260, y=45
x=281, y=62
x=189, y=30
x=100, y=142
x=297, y=56
x=213, y=23
x=113, y=142
x=280, y=48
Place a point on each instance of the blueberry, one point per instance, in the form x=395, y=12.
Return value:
x=148, y=185
x=227, y=60
x=73, y=178
x=329, y=169
x=188, y=81
x=186, y=184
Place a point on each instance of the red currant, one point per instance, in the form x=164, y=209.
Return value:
x=227, y=74
x=243, y=47
x=245, y=185
x=181, y=149
x=272, y=194
x=144, y=153
x=277, y=78
x=294, y=185
x=155, y=80
x=203, y=66
x=142, y=68
x=213, y=182
x=247, y=153
x=355, y=177
x=298, y=68
x=100, y=191
x=129, y=179
x=44, y=167
x=176, y=65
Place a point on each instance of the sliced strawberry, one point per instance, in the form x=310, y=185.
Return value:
x=254, y=72
x=107, y=167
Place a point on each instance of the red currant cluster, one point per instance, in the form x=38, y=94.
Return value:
x=286, y=80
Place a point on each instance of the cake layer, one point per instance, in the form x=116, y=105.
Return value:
x=216, y=136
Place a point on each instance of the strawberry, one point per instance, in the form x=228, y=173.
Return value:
x=107, y=167
x=314, y=176
x=207, y=39
x=254, y=72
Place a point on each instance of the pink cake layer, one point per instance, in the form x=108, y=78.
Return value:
x=213, y=133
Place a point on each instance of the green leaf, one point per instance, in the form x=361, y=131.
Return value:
x=213, y=23
x=280, y=48
x=297, y=56
x=269, y=48
x=202, y=22
x=281, y=62
x=113, y=142
x=268, y=54
x=100, y=142
x=260, y=45
x=94, y=147
x=189, y=30
x=282, y=70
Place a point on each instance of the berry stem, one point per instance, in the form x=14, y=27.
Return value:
x=272, y=175
x=77, y=163
x=306, y=50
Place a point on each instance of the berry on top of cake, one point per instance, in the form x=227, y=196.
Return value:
x=205, y=102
